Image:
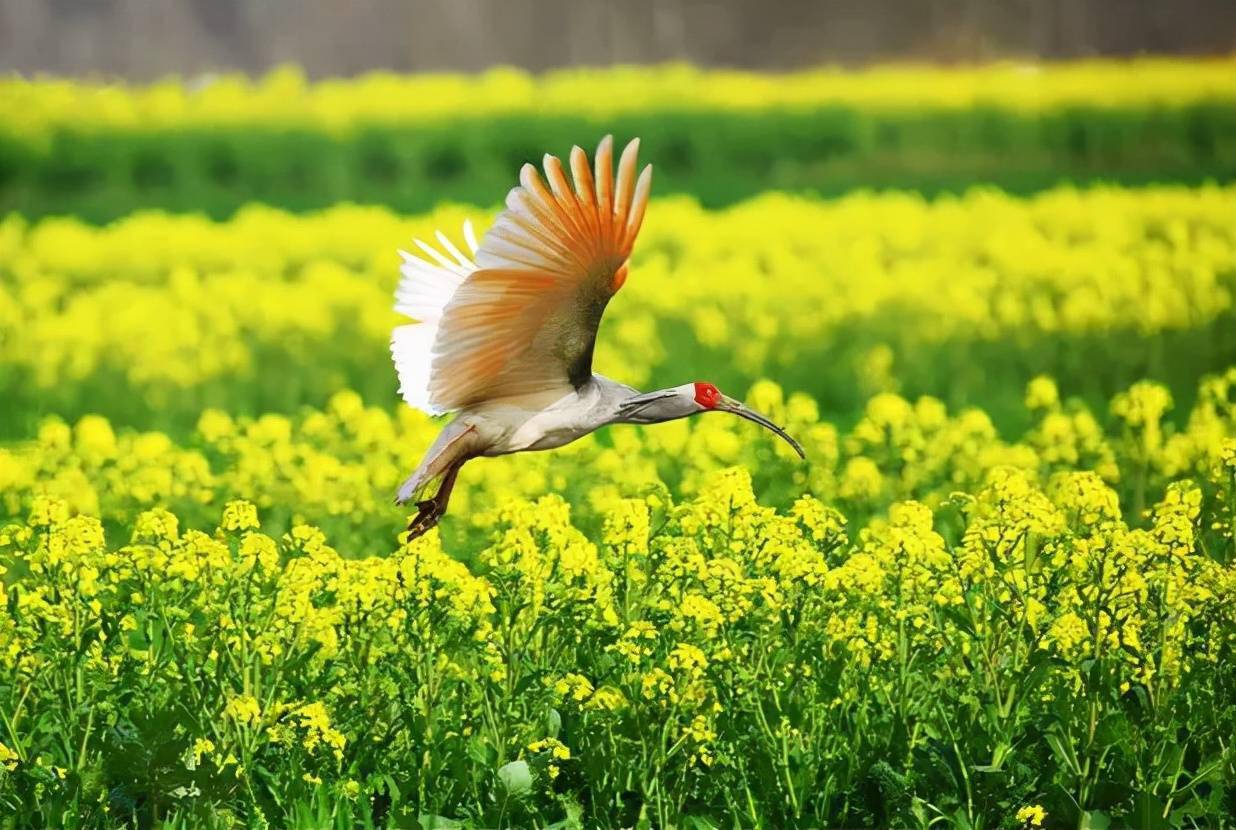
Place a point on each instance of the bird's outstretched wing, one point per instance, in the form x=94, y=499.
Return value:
x=425, y=289
x=524, y=321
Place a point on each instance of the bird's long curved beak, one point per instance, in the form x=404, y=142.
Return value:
x=740, y=409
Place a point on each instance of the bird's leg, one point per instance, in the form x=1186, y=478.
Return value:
x=430, y=511
x=455, y=446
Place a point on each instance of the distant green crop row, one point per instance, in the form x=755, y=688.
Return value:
x=720, y=157
x=413, y=141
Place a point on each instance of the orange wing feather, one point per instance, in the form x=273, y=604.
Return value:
x=524, y=323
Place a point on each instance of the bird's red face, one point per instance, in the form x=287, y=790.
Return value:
x=707, y=395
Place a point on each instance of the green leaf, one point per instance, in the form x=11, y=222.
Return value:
x=697, y=823
x=482, y=752
x=553, y=723
x=432, y=822
x=392, y=789
x=1143, y=699
x=525, y=683
x=1148, y=812
x=958, y=619
x=1034, y=678
x=1063, y=750
x=1112, y=730
x=516, y=777
x=156, y=636
x=1171, y=762
x=1095, y=820
x=1031, y=553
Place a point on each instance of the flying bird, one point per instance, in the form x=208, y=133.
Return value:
x=504, y=334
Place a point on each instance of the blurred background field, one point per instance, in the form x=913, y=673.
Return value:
x=980, y=258
x=153, y=318
x=410, y=143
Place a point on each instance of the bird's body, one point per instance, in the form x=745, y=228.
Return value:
x=518, y=428
x=504, y=335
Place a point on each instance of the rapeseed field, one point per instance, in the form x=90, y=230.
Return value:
x=1000, y=592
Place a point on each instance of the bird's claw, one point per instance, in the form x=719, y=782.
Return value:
x=428, y=513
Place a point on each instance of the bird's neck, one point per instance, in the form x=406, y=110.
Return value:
x=609, y=396
x=655, y=407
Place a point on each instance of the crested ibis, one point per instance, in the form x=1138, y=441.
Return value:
x=504, y=334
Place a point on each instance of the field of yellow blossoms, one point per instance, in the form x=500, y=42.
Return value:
x=1000, y=592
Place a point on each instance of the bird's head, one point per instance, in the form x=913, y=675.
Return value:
x=693, y=399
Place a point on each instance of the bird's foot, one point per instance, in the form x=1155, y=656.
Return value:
x=428, y=513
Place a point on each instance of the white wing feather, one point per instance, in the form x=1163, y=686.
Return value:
x=424, y=291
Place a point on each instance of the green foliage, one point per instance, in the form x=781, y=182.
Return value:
x=718, y=156
x=1016, y=654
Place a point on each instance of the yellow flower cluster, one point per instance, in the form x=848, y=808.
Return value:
x=722, y=634
x=1031, y=815
x=338, y=466
x=271, y=310
x=285, y=98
